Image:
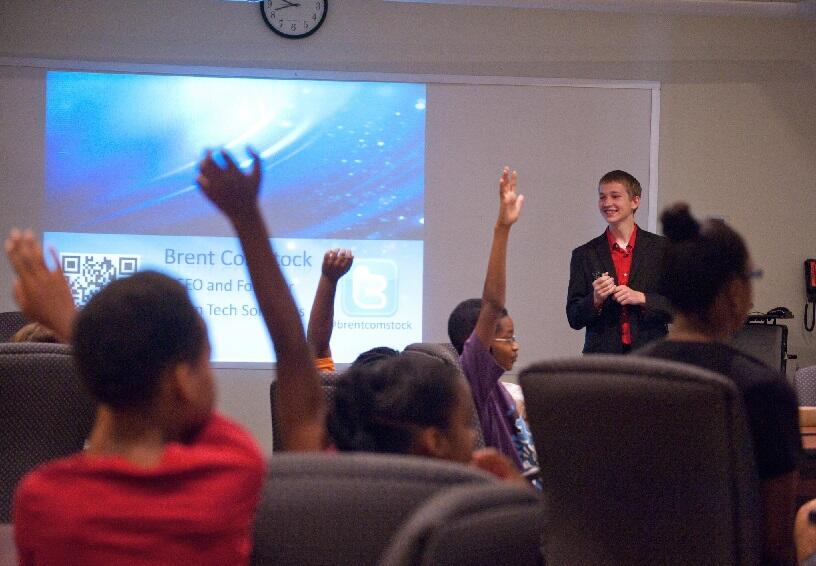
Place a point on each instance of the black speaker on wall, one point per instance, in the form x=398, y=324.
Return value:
x=768, y=342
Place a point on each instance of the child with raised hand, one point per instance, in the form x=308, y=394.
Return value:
x=300, y=400
x=336, y=263
x=164, y=478
x=482, y=332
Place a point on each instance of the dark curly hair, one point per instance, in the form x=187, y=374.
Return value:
x=131, y=332
x=700, y=260
x=462, y=321
x=378, y=406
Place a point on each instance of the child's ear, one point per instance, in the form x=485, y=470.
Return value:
x=181, y=380
x=430, y=441
x=732, y=294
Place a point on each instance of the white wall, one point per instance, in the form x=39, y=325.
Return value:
x=738, y=118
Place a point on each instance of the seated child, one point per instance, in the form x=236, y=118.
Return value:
x=165, y=479
x=409, y=403
x=711, y=259
x=482, y=332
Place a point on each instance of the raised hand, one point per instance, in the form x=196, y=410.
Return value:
x=43, y=295
x=229, y=188
x=510, y=201
x=336, y=263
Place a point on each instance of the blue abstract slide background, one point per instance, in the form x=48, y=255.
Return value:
x=342, y=159
x=343, y=167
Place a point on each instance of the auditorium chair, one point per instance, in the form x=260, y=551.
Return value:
x=766, y=342
x=10, y=323
x=643, y=461
x=327, y=382
x=477, y=525
x=321, y=509
x=45, y=412
x=441, y=350
x=804, y=381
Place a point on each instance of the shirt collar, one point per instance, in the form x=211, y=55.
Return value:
x=611, y=239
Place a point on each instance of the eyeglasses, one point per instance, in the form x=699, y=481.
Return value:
x=512, y=339
x=755, y=274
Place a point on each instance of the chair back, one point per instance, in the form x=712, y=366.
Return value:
x=328, y=381
x=45, y=412
x=804, y=381
x=344, y=508
x=643, y=461
x=766, y=342
x=478, y=525
x=444, y=351
x=10, y=323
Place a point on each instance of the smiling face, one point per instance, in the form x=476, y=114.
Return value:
x=504, y=347
x=615, y=203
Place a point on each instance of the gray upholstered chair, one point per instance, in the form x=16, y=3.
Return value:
x=474, y=525
x=328, y=380
x=10, y=323
x=442, y=350
x=344, y=508
x=643, y=461
x=44, y=411
x=804, y=381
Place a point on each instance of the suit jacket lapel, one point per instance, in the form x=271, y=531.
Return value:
x=642, y=248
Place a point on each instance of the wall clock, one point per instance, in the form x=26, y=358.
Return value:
x=294, y=19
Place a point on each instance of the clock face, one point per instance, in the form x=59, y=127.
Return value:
x=294, y=19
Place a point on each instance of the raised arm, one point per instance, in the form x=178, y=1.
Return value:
x=300, y=400
x=493, y=295
x=42, y=294
x=336, y=263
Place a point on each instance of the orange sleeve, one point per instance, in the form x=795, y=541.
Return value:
x=325, y=364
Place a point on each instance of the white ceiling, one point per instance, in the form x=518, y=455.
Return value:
x=767, y=8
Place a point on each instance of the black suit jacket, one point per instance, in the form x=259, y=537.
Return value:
x=648, y=322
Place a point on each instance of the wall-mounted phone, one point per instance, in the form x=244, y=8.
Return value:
x=810, y=291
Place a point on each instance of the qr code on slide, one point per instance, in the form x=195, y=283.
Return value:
x=88, y=273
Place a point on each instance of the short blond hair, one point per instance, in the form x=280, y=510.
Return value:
x=627, y=180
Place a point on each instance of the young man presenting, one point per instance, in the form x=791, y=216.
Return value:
x=614, y=278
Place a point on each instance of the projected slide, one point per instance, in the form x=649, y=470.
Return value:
x=343, y=167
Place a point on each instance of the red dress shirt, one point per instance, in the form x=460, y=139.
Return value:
x=622, y=259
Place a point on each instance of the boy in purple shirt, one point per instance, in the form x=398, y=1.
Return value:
x=482, y=333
